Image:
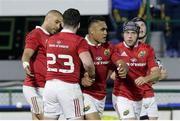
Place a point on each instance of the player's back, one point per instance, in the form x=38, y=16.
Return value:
x=63, y=60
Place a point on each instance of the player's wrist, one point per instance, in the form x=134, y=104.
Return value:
x=92, y=80
x=25, y=64
x=155, y=81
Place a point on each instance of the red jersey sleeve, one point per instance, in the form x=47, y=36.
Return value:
x=83, y=46
x=111, y=66
x=32, y=41
x=115, y=56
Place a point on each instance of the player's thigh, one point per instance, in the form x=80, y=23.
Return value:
x=52, y=107
x=33, y=96
x=92, y=104
x=137, y=105
x=71, y=101
x=124, y=108
x=149, y=107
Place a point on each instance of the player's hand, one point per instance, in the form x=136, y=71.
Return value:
x=163, y=74
x=27, y=69
x=28, y=72
x=122, y=71
x=140, y=81
x=86, y=81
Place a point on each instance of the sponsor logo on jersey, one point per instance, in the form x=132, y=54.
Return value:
x=99, y=58
x=142, y=53
x=107, y=52
x=136, y=64
x=101, y=62
x=59, y=44
x=133, y=60
x=123, y=53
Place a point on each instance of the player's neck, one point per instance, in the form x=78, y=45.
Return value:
x=73, y=30
x=91, y=40
x=44, y=27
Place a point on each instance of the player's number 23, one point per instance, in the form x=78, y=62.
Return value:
x=60, y=56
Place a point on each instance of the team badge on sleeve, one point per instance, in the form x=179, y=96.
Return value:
x=107, y=52
x=142, y=53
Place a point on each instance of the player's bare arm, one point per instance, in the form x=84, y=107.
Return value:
x=27, y=54
x=153, y=76
x=88, y=64
x=163, y=74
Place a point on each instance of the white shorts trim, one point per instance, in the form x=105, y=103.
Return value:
x=33, y=96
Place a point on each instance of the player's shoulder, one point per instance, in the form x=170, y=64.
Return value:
x=120, y=44
x=144, y=45
x=35, y=33
x=54, y=35
x=79, y=38
x=108, y=45
x=72, y=36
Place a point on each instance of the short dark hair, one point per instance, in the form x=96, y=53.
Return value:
x=71, y=17
x=94, y=19
x=54, y=11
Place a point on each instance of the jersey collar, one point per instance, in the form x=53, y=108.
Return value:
x=39, y=27
x=89, y=42
x=67, y=30
x=128, y=46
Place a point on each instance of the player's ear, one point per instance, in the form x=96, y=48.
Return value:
x=91, y=30
x=62, y=24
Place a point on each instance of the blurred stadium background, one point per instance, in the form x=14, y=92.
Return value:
x=17, y=17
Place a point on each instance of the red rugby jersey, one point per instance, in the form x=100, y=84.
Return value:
x=63, y=60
